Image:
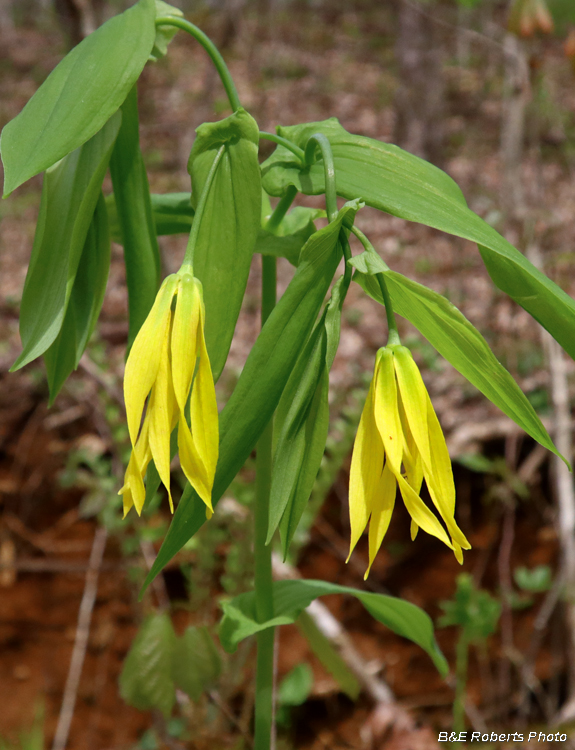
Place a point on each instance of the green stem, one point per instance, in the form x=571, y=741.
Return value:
x=346, y=256
x=264, y=718
x=462, y=652
x=195, y=230
x=279, y=212
x=213, y=52
x=392, y=332
x=283, y=142
x=319, y=139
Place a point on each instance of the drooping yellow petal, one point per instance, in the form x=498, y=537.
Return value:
x=440, y=480
x=184, y=347
x=382, y=509
x=162, y=407
x=133, y=486
x=411, y=457
x=414, y=398
x=144, y=359
x=133, y=490
x=387, y=411
x=204, y=418
x=192, y=465
x=366, y=469
x=420, y=513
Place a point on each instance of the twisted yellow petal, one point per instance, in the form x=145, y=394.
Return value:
x=383, y=505
x=144, y=359
x=204, y=408
x=366, y=468
x=387, y=410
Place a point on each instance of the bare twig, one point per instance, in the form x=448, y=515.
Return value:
x=41, y=541
x=92, y=369
x=505, y=583
x=565, y=498
x=41, y=565
x=224, y=708
x=80, y=641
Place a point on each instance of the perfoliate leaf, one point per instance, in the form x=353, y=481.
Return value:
x=292, y=597
x=146, y=679
x=263, y=378
x=460, y=343
x=79, y=96
x=392, y=180
x=302, y=421
x=229, y=226
x=86, y=299
x=69, y=195
x=134, y=217
x=164, y=34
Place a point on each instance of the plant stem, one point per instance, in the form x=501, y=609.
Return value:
x=346, y=256
x=264, y=709
x=212, y=51
x=462, y=652
x=283, y=142
x=273, y=223
x=319, y=139
x=392, y=332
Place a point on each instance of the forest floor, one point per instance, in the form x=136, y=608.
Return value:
x=55, y=462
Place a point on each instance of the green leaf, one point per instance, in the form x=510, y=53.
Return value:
x=146, y=679
x=460, y=343
x=69, y=195
x=263, y=378
x=135, y=219
x=291, y=235
x=392, y=180
x=302, y=423
x=79, y=96
x=296, y=686
x=85, y=303
x=475, y=611
x=292, y=597
x=534, y=580
x=229, y=225
x=369, y=263
x=172, y=212
x=196, y=662
x=164, y=34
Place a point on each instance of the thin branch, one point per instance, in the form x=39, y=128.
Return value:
x=81, y=640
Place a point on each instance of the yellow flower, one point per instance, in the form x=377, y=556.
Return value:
x=167, y=360
x=400, y=442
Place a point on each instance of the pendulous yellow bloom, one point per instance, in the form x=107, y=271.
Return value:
x=168, y=359
x=400, y=442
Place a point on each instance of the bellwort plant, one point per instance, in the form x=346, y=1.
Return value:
x=82, y=121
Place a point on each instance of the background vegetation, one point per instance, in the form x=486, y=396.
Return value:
x=486, y=92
